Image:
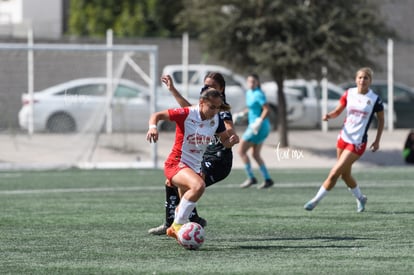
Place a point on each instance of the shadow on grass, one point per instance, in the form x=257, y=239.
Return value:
x=393, y=212
x=322, y=238
x=267, y=241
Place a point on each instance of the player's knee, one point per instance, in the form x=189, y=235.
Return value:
x=199, y=187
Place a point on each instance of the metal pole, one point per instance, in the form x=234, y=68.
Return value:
x=109, y=81
x=153, y=88
x=324, y=109
x=185, y=63
x=390, y=85
x=30, y=80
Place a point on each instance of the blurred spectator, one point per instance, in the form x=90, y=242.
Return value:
x=408, y=152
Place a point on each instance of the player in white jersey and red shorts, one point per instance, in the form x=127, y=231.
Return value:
x=361, y=103
x=196, y=127
x=217, y=160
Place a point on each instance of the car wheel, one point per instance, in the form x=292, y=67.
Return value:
x=61, y=123
x=167, y=126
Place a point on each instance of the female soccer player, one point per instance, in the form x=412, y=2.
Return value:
x=217, y=160
x=361, y=103
x=256, y=132
x=196, y=127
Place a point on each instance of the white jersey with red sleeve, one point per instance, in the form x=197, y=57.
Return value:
x=193, y=135
x=360, y=109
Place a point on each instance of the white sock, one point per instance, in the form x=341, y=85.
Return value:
x=319, y=196
x=356, y=192
x=184, y=210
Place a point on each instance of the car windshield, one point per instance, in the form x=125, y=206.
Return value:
x=193, y=77
x=400, y=94
x=302, y=89
x=85, y=90
x=332, y=94
x=126, y=92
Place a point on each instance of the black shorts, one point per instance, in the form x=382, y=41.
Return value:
x=217, y=167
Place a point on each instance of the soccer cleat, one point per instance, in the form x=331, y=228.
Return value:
x=200, y=221
x=310, y=205
x=172, y=231
x=361, y=203
x=159, y=230
x=266, y=184
x=249, y=182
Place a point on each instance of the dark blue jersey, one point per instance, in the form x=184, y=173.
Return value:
x=217, y=146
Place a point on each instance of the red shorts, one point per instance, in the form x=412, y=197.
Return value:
x=172, y=167
x=358, y=149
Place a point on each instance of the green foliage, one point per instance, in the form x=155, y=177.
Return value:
x=96, y=222
x=127, y=18
x=288, y=39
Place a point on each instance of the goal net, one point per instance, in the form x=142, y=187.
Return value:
x=67, y=105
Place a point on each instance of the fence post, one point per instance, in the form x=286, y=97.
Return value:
x=30, y=80
x=390, y=54
x=109, y=80
x=324, y=86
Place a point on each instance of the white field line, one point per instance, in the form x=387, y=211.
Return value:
x=393, y=184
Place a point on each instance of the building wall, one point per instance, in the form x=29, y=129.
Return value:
x=13, y=65
x=45, y=17
x=399, y=14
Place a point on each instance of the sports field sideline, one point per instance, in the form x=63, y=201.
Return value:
x=96, y=222
x=307, y=149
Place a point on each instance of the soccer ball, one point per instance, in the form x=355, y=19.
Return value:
x=191, y=236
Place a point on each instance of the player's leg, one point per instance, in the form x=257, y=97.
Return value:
x=244, y=146
x=349, y=180
x=215, y=168
x=172, y=199
x=256, y=154
x=345, y=159
x=191, y=187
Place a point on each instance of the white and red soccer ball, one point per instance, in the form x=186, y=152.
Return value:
x=191, y=236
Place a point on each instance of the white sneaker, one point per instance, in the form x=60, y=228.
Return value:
x=159, y=230
x=310, y=205
x=361, y=203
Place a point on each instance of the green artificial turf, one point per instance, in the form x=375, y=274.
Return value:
x=96, y=222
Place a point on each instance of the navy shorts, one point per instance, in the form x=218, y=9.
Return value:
x=217, y=167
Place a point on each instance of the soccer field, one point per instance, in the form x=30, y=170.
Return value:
x=96, y=222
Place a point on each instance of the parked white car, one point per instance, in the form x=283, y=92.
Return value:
x=79, y=105
x=235, y=88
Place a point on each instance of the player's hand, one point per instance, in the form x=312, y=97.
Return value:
x=234, y=139
x=167, y=80
x=375, y=146
x=152, y=135
x=256, y=125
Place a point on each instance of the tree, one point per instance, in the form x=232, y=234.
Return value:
x=288, y=39
x=127, y=18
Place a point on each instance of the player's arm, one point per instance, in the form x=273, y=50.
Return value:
x=265, y=111
x=152, y=134
x=230, y=128
x=339, y=109
x=228, y=139
x=375, y=145
x=167, y=80
x=334, y=113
